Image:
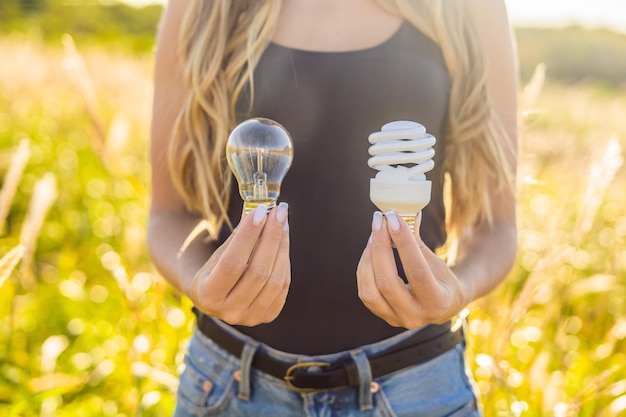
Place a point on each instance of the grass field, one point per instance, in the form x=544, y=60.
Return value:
x=87, y=328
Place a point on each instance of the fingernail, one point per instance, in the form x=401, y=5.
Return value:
x=259, y=214
x=286, y=225
x=377, y=221
x=281, y=212
x=393, y=221
x=369, y=241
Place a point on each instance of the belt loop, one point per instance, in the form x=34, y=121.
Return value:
x=247, y=355
x=365, y=379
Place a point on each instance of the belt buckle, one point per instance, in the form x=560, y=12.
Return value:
x=289, y=378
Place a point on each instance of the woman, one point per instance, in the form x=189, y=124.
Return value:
x=369, y=330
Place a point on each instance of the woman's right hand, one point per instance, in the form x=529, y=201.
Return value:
x=247, y=278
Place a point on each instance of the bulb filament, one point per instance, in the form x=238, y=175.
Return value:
x=259, y=190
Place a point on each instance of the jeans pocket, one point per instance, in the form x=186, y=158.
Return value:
x=468, y=410
x=438, y=387
x=207, y=385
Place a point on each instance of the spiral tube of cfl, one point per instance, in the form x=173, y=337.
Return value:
x=399, y=144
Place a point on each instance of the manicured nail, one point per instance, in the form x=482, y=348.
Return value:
x=393, y=221
x=286, y=225
x=281, y=212
x=377, y=221
x=259, y=214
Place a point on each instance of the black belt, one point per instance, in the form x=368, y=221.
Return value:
x=425, y=345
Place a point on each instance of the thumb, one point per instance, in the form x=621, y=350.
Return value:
x=416, y=226
x=243, y=212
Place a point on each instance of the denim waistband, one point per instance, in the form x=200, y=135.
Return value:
x=289, y=357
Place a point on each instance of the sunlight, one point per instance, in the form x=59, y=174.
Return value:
x=600, y=13
x=555, y=13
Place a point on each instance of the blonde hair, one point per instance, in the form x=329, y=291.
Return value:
x=221, y=42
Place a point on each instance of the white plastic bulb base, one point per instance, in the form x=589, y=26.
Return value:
x=406, y=198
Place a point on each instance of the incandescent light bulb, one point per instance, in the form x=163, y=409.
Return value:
x=259, y=152
x=402, y=153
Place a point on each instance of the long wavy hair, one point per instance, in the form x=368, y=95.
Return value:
x=220, y=44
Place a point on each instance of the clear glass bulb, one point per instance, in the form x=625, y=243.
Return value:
x=259, y=152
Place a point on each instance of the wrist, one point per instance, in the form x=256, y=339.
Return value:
x=466, y=284
x=469, y=292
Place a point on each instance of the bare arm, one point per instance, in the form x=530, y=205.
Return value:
x=437, y=291
x=246, y=279
x=475, y=263
x=170, y=223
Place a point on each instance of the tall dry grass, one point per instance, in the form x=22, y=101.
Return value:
x=12, y=180
x=550, y=341
x=95, y=331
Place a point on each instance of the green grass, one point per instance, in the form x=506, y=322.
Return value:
x=87, y=328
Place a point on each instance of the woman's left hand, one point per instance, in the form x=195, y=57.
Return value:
x=433, y=294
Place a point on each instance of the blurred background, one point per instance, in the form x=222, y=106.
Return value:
x=88, y=328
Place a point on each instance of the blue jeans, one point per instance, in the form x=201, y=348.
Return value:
x=215, y=383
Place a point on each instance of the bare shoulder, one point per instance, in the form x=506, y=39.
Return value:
x=169, y=26
x=490, y=19
x=491, y=22
x=169, y=93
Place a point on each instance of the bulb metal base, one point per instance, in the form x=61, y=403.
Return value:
x=249, y=206
x=410, y=221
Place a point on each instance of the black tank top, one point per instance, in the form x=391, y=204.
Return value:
x=330, y=102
